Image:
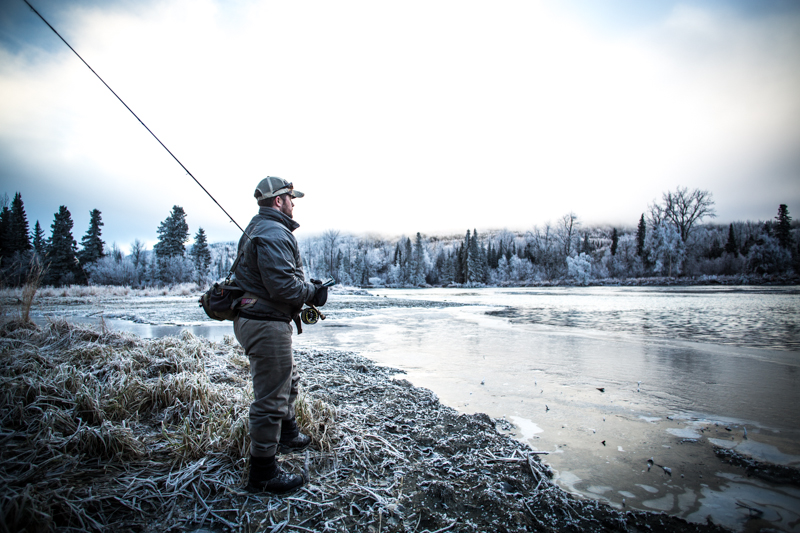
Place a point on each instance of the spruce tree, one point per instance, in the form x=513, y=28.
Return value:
x=17, y=231
x=641, y=232
x=731, y=247
x=475, y=264
x=587, y=247
x=173, y=233
x=62, y=250
x=201, y=253
x=419, y=260
x=466, y=273
x=5, y=243
x=784, y=227
x=91, y=242
x=39, y=241
x=614, y=241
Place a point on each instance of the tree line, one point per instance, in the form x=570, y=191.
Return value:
x=670, y=240
x=61, y=262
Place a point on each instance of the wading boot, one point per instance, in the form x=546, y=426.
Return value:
x=266, y=475
x=291, y=438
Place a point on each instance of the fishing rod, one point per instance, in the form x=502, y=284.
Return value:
x=137, y=118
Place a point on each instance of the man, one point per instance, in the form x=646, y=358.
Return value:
x=270, y=270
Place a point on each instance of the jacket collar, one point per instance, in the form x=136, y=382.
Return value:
x=274, y=214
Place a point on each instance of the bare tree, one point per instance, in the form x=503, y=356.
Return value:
x=137, y=252
x=329, y=238
x=683, y=208
x=569, y=225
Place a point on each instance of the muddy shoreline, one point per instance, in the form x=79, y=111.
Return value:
x=386, y=456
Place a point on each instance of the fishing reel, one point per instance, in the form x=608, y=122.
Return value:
x=311, y=315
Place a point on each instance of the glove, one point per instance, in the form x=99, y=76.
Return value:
x=320, y=295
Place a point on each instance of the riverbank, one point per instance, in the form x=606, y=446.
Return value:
x=105, y=430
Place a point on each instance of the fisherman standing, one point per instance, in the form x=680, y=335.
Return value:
x=271, y=273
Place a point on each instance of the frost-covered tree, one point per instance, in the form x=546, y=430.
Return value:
x=330, y=237
x=580, y=268
x=767, y=256
x=475, y=260
x=569, y=227
x=201, y=255
x=173, y=233
x=666, y=249
x=108, y=271
x=92, y=244
x=683, y=208
x=137, y=253
x=418, y=263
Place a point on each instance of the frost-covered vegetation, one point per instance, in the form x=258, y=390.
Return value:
x=104, y=431
x=671, y=240
x=668, y=242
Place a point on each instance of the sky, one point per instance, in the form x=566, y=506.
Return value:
x=398, y=117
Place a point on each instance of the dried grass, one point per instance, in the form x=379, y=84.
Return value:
x=104, y=431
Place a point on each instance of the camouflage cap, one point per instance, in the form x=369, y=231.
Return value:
x=272, y=186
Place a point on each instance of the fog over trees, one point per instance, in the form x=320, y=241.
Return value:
x=674, y=238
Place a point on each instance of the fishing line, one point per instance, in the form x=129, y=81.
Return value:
x=137, y=118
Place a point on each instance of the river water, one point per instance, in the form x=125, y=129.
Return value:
x=605, y=378
x=627, y=390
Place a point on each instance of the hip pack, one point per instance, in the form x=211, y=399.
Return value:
x=220, y=301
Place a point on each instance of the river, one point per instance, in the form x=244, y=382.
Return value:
x=605, y=378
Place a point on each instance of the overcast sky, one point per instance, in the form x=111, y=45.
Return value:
x=398, y=117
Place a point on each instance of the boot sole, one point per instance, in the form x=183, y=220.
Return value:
x=285, y=450
x=256, y=489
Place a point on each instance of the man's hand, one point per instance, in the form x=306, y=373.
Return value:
x=321, y=294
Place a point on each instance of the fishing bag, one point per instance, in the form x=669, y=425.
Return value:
x=220, y=301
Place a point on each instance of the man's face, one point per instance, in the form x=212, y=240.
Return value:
x=285, y=204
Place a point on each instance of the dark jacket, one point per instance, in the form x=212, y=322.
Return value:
x=271, y=268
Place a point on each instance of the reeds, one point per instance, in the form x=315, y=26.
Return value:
x=34, y=279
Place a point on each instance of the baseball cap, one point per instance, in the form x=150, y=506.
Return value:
x=272, y=186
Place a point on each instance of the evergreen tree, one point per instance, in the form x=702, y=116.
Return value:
x=784, y=227
x=731, y=247
x=173, y=233
x=587, y=247
x=474, y=259
x=614, y=242
x=458, y=265
x=91, y=243
x=641, y=233
x=466, y=273
x=201, y=253
x=5, y=245
x=17, y=236
x=419, y=260
x=39, y=241
x=407, y=270
x=62, y=250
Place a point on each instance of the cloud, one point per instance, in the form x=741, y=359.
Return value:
x=399, y=118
